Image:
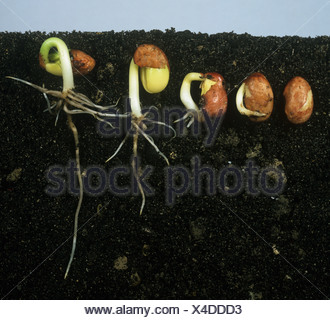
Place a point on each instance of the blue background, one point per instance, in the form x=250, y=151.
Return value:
x=256, y=17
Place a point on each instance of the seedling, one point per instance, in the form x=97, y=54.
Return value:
x=70, y=102
x=154, y=73
x=213, y=94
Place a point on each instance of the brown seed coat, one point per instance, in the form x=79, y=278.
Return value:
x=149, y=55
x=298, y=100
x=215, y=99
x=81, y=62
x=258, y=96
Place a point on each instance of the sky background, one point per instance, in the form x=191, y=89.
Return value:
x=257, y=17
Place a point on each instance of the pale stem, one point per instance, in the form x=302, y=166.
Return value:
x=63, y=51
x=185, y=95
x=134, y=94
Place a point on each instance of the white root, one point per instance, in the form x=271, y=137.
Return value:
x=240, y=104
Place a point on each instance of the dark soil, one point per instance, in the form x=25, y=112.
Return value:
x=203, y=247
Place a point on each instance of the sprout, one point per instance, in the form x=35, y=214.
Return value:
x=60, y=64
x=185, y=94
x=255, y=98
x=212, y=91
x=154, y=72
x=71, y=102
